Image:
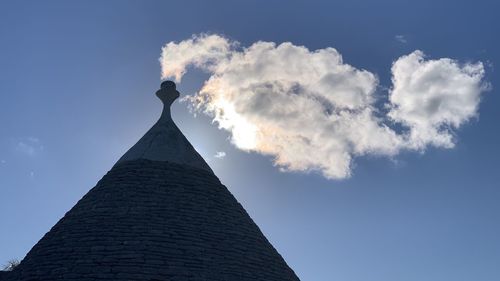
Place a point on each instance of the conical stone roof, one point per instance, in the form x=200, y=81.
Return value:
x=159, y=214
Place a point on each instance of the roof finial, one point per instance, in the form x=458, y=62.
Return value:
x=167, y=92
x=164, y=141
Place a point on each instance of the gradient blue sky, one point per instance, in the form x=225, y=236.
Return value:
x=76, y=91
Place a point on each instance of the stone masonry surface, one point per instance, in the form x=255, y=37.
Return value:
x=153, y=220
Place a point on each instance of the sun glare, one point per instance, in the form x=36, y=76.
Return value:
x=244, y=132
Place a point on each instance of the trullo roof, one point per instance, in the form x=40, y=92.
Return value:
x=159, y=214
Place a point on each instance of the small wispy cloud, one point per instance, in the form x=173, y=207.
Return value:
x=29, y=146
x=220, y=155
x=401, y=39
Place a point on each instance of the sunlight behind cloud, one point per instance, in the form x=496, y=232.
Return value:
x=312, y=111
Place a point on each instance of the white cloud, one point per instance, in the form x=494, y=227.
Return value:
x=199, y=51
x=311, y=111
x=401, y=38
x=220, y=154
x=434, y=97
x=29, y=146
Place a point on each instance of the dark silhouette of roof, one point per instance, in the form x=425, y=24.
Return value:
x=155, y=216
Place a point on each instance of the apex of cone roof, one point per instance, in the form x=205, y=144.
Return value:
x=164, y=141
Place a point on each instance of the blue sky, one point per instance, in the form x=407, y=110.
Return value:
x=77, y=83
